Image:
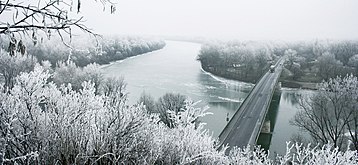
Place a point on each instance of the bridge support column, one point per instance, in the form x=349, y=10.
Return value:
x=266, y=128
x=278, y=87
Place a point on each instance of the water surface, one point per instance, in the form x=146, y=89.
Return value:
x=175, y=69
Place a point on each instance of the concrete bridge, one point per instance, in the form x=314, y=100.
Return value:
x=246, y=124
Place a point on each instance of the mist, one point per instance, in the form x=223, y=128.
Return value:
x=254, y=19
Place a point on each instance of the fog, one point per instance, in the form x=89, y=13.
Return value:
x=233, y=19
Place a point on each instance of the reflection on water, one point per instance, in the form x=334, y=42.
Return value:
x=175, y=69
x=292, y=97
x=285, y=109
x=264, y=139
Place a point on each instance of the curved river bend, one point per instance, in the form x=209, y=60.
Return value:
x=175, y=69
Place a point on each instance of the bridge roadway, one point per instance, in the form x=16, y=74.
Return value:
x=245, y=126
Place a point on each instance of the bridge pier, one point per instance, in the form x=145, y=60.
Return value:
x=278, y=87
x=245, y=125
x=264, y=139
x=266, y=128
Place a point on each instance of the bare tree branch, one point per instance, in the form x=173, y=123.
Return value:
x=46, y=15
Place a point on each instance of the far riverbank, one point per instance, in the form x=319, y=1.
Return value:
x=284, y=82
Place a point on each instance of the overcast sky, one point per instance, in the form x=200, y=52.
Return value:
x=234, y=19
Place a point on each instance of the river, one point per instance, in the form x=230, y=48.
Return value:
x=175, y=69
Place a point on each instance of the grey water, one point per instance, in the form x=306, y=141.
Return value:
x=175, y=69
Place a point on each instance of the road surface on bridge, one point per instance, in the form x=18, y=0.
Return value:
x=244, y=127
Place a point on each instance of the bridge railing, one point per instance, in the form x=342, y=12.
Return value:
x=258, y=128
x=238, y=112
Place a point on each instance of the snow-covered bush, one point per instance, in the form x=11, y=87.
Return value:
x=327, y=154
x=12, y=66
x=69, y=73
x=187, y=142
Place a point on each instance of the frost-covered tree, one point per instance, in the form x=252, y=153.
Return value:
x=294, y=63
x=70, y=73
x=114, y=90
x=92, y=73
x=330, y=116
x=50, y=17
x=10, y=67
x=85, y=50
x=297, y=153
x=148, y=101
x=20, y=117
x=343, y=50
x=353, y=62
x=291, y=55
x=168, y=105
x=328, y=66
x=245, y=61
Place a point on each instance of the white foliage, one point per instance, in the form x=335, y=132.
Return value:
x=248, y=155
x=185, y=143
x=189, y=114
x=298, y=154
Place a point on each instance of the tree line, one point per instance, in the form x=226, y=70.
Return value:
x=86, y=50
x=244, y=61
x=322, y=59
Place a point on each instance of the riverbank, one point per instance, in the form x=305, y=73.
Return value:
x=103, y=51
x=284, y=82
x=102, y=66
x=232, y=74
x=297, y=84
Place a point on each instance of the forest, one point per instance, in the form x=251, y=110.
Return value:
x=245, y=61
x=86, y=50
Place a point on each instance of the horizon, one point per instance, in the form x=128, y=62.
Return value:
x=229, y=19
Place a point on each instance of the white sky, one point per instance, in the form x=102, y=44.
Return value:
x=234, y=19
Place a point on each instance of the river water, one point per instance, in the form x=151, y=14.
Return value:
x=175, y=69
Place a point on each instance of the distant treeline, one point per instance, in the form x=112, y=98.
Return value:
x=307, y=61
x=88, y=50
x=245, y=61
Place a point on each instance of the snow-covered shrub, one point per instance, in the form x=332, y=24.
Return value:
x=187, y=142
x=12, y=66
x=70, y=73
x=327, y=154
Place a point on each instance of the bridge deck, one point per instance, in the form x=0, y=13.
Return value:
x=244, y=127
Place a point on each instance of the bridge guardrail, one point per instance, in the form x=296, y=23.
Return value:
x=238, y=110
x=257, y=132
x=238, y=113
